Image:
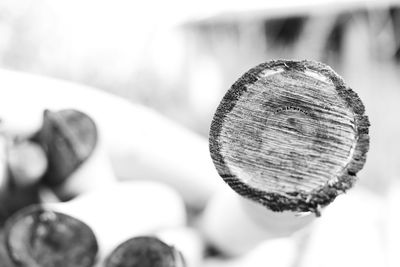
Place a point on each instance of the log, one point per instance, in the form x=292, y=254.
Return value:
x=141, y=143
x=145, y=251
x=288, y=137
x=91, y=225
x=35, y=236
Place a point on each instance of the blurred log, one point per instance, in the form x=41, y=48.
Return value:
x=36, y=236
x=71, y=233
x=145, y=251
x=124, y=210
x=140, y=143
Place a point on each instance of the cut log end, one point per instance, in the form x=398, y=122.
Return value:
x=290, y=135
x=145, y=251
x=69, y=137
x=35, y=236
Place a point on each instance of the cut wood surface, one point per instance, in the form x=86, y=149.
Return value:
x=290, y=135
x=118, y=212
x=145, y=251
x=39, y=237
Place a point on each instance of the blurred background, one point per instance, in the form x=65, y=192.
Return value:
x=179, y=57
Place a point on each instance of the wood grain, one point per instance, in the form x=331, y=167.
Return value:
x=290, y=135
x=35, y=236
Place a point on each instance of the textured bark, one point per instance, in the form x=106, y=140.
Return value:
x=290, y=135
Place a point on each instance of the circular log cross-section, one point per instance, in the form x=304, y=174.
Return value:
x=290, y=135
x=145, y=251
x=37, y=237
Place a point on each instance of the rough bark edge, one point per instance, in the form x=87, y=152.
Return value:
x=294, y=201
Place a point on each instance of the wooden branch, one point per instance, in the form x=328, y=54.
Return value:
x=21, y=166
x=69, y=138
x=34, y=236
x=27, y=163
x=235, y=225
x=290, y=135
x=38, y=237
x=133, y=148
x=77, y=160
x=145, y=251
